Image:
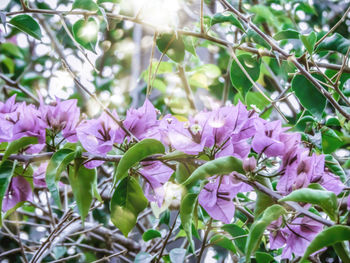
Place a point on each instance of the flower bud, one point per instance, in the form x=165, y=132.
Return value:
x=249, y=164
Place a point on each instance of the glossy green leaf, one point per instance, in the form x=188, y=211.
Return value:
x=85, y=33
x=223, y=165
x=172, y=46
x=177, y=255
x=262, y=257
x=309, y=41
x=135, y=154
x=257, y=229
x=325, y=199
x=330, y=140
x=226, y=17
x=183, y=172
x=336, y=42
x=56, y=166
x=27, y=24
x=223, y=241
x=238, y=78
x=328, y=237
x=334, y=166
x=17, y=145
x=143, y=257
x=150, y=234
x=127, y=202
x=82, y=181
x=85, y=5
x=239, y=235
x=286, y=34
x=6, y=172
x=187, y=209
x=308, y=95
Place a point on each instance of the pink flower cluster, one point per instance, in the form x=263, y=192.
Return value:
x=226, y=131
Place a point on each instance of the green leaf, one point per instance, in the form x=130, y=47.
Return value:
x=135, y=154
x=173, y=46
x=308, y=95
x=262, y=257
x=226, y=17
x=189, y=43
x=236, y=231
x=257, y=229
x=222, y=241
x=85, y=33
x=336, y=42
x=17, y=145
x=57, y=164
x=334, y=166
x=6, y=172
x=223, y=165
x=82, y=181
x=85, y=5
x=127, y=202
x=330, y=140
x=177, y=255
x=150, y=234
x=187, y=209
x=328, y=237
x=11, y=49
x=239, y=79
x=309, y=41
x=183, y=172
x=27, y=24
x=325, y=199
x=252, y=36
x=286, y=34
x=143, y=257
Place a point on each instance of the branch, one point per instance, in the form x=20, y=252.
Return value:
x=187, y=87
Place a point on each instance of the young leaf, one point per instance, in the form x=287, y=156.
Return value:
x=27, y=24
x=187, y=209
x=222, y=241
x=309, y=41
x=286, y=34
x=308, y=95
x=226, y=17
x=85, y=4
x=325, y=199
x=336, y=42
x=239, y=79
x=57, y=164
x=257, y=229
x=85, y=33
x=239, y=235
x=82, y=181
x=177, y=255
x=150, y=234
x=135, y=154
x=173, y=46
x=6, y=171
x=223, y=165
x=17, y=145
x=328, y=237
x=127, y=202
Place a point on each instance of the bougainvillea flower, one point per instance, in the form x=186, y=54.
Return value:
x=190, y=137
x=98, y=135
x=63, y=116
x=142, y=122
x=216, y=198
x=296, y=235
x=39, y=175
x=19, y=190
x=9, y=106
x=267, y=138
x=156, y=174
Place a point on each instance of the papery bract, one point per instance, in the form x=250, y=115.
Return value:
x=19, y=190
